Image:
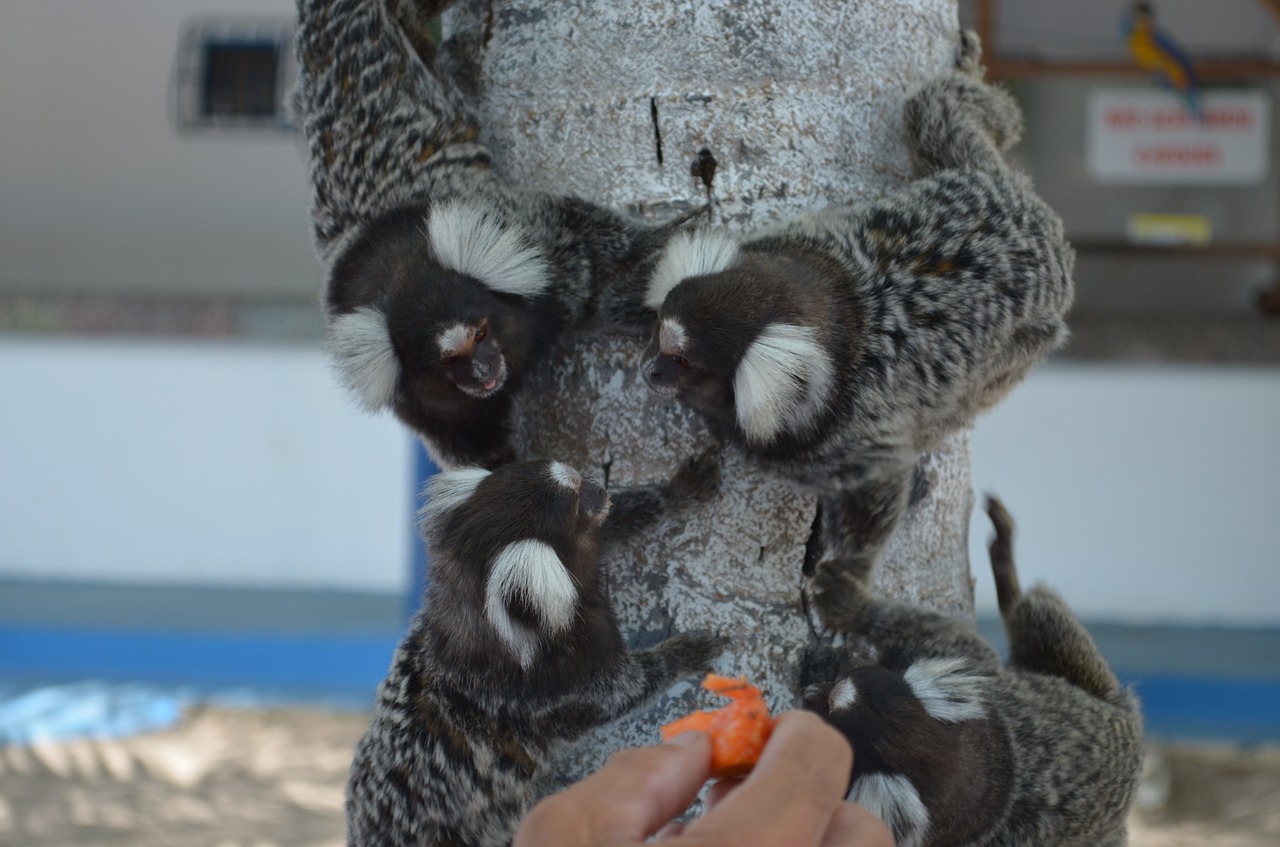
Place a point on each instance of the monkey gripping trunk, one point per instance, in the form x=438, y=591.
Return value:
x=766, y=109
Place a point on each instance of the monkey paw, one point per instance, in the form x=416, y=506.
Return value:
x=969, y=53
x=825, y=636
x=834, y=597
x=817, y=699
x=692, y=653
x=698, y=478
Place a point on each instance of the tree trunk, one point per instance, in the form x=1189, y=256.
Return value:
x=800, y=103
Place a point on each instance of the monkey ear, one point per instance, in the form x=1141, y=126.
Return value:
x=690, y=254
x=782, y=382
x=950, y=690
x=529, y=571
x=842, y=696
x=895, y=801
x=470, y=240
x=448, y=490
x=359, y=345
x=565, y=475
x=672, y=335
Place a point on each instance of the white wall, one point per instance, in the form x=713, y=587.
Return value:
x=210, y=463
x=97, y=192
x=1140, y=493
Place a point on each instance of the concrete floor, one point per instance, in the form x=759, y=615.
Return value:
x=274, y=778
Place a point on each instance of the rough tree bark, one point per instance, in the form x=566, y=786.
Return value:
x=800, y=103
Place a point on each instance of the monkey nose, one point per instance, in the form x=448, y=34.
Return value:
x=593, y=500
x=656, y=380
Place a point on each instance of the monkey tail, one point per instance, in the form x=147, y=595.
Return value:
x=1044, y=635
x=958, y=121
x=1001, y=548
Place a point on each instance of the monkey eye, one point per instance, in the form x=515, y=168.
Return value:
x=481, y=333
x=681, y=361
x=449, y=359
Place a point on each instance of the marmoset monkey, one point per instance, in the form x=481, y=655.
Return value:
x=516, y=650
x=955, y=749
x=836, y=348
x=444, y=285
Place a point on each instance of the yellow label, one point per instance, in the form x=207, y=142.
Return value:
x=1146, y=228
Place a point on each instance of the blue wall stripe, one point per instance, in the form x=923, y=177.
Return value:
x=1246, y=710
x=302, y=663
x=349, y=667
x=423, y=468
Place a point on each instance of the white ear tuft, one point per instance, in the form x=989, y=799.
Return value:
x=448, y=490
x=782, y=382
x=672, y=335
x=949, y=689
x=453, y=339
x=531, y=571
x=359, y=345
x=566, y=476
x=843, y=695
x=690, y=254
x=894, y=800
x=470, y=240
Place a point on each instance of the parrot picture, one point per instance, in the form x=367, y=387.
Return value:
x=1155, y=51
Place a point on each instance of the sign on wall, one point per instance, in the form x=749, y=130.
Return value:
x=1149, y=137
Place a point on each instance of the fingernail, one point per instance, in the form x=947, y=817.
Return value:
x=687, y=739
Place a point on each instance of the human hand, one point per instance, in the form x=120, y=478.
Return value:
x=793, y=796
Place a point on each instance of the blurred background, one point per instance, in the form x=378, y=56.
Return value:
x=202, y=540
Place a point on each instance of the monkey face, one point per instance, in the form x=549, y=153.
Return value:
x=732, y=347
x=673, y=365
x=514, y=548
x=448, y=339
x=429, y=312
x=676, y=366
x=472, y=359
x=477, y=512
x=697, y=345
x=740, y=336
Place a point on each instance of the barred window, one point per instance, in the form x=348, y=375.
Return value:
x=233, y=74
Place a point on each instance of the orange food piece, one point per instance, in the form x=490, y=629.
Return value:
x=738, y=731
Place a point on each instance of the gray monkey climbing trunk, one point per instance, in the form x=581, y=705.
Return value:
x=800, y=104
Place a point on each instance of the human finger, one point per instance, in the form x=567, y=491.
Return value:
x=854, y=826
x=717, y=791
x=671, y=830
x=792, y=792
x=631, y=797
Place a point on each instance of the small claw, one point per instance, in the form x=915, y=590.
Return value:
x=969, y=53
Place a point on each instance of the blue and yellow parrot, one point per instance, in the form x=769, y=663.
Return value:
x=1155, y=51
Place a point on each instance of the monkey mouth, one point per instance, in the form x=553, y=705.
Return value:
x=488, y=388
x=484, y=390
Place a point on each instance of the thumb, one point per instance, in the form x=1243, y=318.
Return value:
x=637, y=792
